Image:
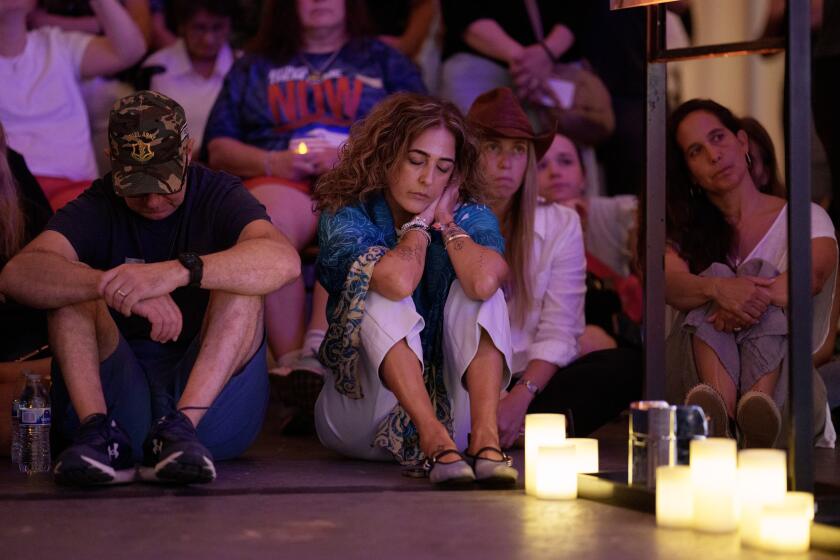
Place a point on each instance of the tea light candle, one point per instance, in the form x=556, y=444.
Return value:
x=762, y=480
x=786, y=526
x=540, y=430
x=556, y=472
x=713, y=480
x=674, y=497
x=302, y=149
x=586, y=454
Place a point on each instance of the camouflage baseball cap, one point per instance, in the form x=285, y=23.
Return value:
x=147, y=133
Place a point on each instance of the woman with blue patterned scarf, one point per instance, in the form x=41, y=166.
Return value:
x=419, y=337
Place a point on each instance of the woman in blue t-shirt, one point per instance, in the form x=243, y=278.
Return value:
x=283, y=111
x=419, y=338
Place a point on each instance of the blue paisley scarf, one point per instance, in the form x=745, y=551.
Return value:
x=340, y=352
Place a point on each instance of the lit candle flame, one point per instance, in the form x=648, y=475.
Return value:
x=302, y=149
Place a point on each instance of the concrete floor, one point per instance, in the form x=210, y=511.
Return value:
x=290, y=498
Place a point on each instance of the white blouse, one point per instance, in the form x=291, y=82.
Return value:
x=555, y=321
x=773, y=248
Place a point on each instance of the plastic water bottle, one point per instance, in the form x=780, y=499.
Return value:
x=15, y=452
x=34, y=427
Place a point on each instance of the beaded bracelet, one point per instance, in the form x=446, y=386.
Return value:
x=420, y=230
x=417, y=223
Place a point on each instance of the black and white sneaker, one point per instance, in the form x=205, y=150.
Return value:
x=172, y=453
x=100, y=454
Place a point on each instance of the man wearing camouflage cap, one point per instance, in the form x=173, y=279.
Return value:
x=155, y=277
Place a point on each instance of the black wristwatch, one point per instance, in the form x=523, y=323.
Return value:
x=193, y=263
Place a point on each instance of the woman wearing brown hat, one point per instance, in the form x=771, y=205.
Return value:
x=546, y=286
x=419, y=337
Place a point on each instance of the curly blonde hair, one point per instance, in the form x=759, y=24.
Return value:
x=379, y=142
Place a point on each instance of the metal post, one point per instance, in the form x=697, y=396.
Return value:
x=798, y=154
x=654, y=211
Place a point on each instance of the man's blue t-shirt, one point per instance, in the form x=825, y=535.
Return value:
x=105, y=233
x=267, y=104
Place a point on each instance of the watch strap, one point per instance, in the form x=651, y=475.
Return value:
x=193, y=263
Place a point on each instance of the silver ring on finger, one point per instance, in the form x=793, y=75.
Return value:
x=122, y=293
x=736, y=329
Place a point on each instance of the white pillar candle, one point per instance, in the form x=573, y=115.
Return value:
x=674, y=497
x=586, y=454
x=556, y=472
x=786, y=526
x=540, y=430
x=714, y=479
x=762, y=480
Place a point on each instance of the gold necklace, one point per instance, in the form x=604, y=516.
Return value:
x=317, y=74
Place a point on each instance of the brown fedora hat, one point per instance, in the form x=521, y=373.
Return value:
x=498, y=113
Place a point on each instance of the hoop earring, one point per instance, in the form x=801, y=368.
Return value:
x=749, y=160
x=694, y=191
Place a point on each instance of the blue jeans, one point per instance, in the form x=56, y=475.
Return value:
x=143, y=380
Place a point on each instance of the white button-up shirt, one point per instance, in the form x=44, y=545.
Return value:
x=181, y=82
x=555, y=321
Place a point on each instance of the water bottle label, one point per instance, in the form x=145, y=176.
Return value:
x=37, y=416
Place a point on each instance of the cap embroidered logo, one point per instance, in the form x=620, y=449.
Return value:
x=140, y=150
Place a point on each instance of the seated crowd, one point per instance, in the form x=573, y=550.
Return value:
x=464, y=275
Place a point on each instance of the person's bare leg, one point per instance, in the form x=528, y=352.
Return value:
x=318, y=321
x=291, y=213
x=402, y=375
x=284, y=318
x=767, y=383
x=711, y=372
x=484, y=383
x=81, y=337
x=231, y=334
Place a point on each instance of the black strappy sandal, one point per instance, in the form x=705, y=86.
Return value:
x=454, y=474
x=493, y=472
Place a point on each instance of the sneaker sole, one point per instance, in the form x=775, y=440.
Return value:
x=177, y=469
x=94, y=474
x=759, y=420
x=713, y=407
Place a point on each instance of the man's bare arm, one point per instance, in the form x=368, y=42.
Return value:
x=46, y=274
x=262, y=261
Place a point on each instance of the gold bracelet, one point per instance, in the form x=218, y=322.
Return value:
x=454, y=237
